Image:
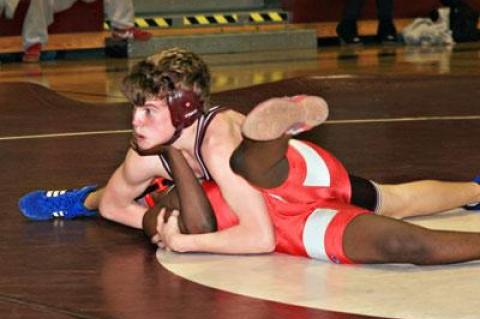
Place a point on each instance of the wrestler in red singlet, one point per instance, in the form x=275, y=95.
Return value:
x=309, y=211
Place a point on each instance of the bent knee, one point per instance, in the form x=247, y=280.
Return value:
x=106, y=211
x=241, y=166
x=237, y=161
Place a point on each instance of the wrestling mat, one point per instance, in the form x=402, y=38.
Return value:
x=390, y=291
x=387, y=128
x=376, y=113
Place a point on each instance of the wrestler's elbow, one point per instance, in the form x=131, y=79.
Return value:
x=265, y=243
x=261, y=236
x=106, y=210
x=268, y=245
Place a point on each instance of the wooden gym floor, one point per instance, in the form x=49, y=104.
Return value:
x=91, y=268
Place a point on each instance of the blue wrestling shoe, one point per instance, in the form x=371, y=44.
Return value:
x=67, y=204
x=474, y=206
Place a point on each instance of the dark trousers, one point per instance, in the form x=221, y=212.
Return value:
x=354, y=7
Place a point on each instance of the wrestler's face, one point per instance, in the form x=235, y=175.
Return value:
x=152, y=124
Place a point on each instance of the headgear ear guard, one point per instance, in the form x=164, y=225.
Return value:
x=185, y=106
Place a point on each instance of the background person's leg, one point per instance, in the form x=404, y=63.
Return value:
x=386, y=31
x=35, y=29
x=352, y=9
x=121, y=14
x=347, y=27
x=62, y=5
x=385, y=10
x=10, y=7
x=2, y=8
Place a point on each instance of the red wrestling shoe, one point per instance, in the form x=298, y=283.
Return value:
x=32, y=53
x=131, y=33
x=277, y=116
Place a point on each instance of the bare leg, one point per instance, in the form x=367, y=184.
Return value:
x=39, y=16
x=195, y=208
x=262, y=163
x=372, y=239
x=260, y=158
x=425, y=197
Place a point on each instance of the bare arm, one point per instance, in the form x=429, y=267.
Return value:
x=196, y=214
x=127, y=182
x=253, y=234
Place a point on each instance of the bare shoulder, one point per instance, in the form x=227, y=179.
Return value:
x=226, y=123
x=222, y=137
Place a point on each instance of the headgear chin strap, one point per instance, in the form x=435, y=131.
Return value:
x=185, y=107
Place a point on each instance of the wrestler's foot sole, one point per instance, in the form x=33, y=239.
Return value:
x=278, y=116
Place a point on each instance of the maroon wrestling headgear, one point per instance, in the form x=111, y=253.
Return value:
x=185, y=106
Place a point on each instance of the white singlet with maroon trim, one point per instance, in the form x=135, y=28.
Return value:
x=203, y=121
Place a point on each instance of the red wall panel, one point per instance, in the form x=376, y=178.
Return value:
x=81, y=17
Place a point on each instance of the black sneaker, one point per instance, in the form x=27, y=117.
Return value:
x=386, y=32
x=347, y=32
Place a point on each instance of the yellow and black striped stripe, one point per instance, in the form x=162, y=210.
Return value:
x=268, y=17
x=210, y=19
x=153, y=22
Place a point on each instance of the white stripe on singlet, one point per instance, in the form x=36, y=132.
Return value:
x=314, y=232
x=202, y=126
x=317, y=173
x=203, y=122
